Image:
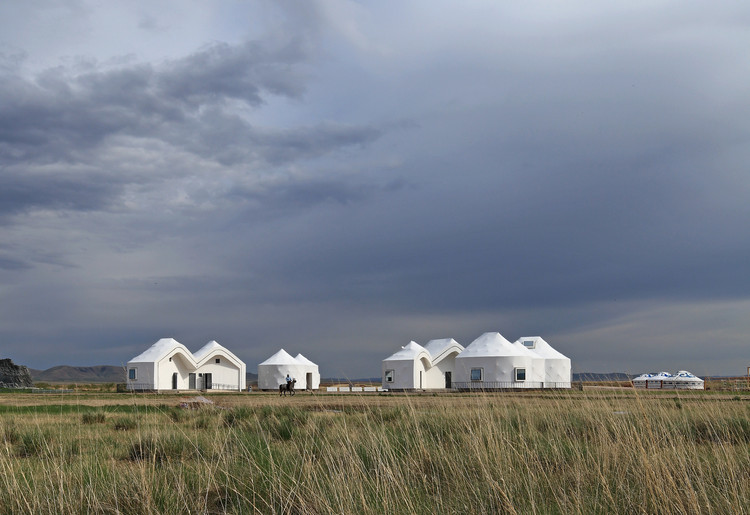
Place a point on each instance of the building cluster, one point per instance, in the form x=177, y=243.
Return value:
x=682, y=380
x=489, y=362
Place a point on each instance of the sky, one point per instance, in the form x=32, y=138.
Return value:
x=338, y=178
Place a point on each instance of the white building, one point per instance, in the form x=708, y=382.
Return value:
x=492, y=362
x=419, y=368
x=557, y=369
x=169, y=365
x=273, y=371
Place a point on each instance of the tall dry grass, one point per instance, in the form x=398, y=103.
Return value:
x=564, y=452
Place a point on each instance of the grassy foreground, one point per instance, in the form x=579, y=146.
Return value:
x=564, y=452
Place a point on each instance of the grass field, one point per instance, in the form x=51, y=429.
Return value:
x=596, y=451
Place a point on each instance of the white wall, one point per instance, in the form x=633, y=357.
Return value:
x=144, y=377
x=271, y=376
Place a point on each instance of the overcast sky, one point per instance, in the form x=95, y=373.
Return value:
x=338, y=178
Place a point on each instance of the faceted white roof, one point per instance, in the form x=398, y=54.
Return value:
x=282, y=357
x=407, y=352
x=543, y=348
x=525, y=351
x=490, y=344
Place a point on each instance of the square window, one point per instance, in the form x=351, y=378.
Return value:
x=476, y=374
x=218, y=360
x=520, y=374
x=131, y=373
x=388, y=376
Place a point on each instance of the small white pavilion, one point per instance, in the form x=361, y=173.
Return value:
x=414, y=367
x=273, y=371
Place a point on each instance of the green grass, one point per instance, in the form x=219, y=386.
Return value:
x=557, y=452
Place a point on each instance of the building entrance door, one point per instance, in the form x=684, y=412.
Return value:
x=447, y=380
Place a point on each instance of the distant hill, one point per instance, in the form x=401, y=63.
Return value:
x=598, y=376
x=67, y=374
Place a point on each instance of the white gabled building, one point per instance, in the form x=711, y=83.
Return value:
x=273, y=371
x=169, y=365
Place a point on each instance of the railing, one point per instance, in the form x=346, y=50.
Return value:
x=496, y=385
x=150, y=387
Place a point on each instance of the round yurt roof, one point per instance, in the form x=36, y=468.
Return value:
x=490, y=344
x=407, y=352
x=282, y=357
x=643, y=377
x=684, y=375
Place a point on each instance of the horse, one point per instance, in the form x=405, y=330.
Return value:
x=287, y=387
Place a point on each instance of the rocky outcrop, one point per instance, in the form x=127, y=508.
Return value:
x=14, y=376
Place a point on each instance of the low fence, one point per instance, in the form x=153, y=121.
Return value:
x=498, y=385
x=147, y=387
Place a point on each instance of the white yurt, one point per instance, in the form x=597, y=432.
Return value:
x=684, y=380
x=660, y=381
x=312, y=373
x=273, y=371
x=641, y=380
x=491, y=361
x=557, y=369
x=406, y=369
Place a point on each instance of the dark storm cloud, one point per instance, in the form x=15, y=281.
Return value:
x=69, y=117
x=563, y=170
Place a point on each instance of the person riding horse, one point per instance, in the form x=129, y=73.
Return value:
x=288, y=387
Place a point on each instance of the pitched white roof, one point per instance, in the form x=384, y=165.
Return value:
x=407, y=352
x=301, y=359
x=282, y=357
x=158, y=350
x=208, y=348
x=490, y=344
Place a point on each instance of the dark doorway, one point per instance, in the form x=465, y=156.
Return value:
x=174, y=381
x=308, y=381
x=191, y=381
x=207, y=381
x=447, y=379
